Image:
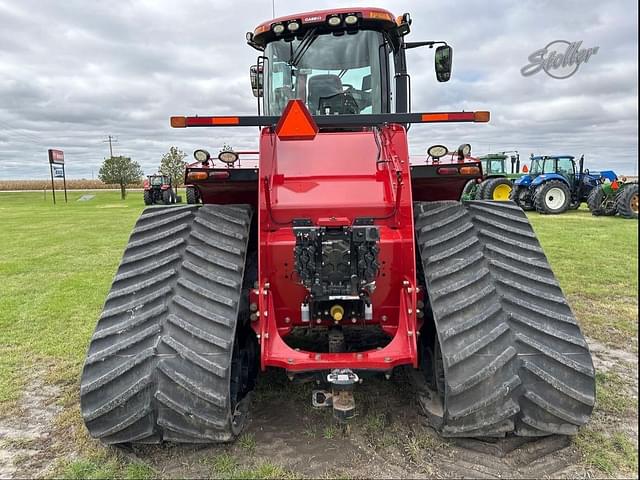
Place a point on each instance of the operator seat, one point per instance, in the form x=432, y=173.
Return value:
x=322, y=86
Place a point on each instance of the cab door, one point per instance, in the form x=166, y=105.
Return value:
x=566, y=167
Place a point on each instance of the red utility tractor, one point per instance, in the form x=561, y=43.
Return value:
x=334, y=234
x=157, y=188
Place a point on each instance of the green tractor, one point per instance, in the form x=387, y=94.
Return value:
x=614, y=197
x=496, y=183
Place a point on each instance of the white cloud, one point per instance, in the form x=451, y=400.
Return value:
x=73, y=72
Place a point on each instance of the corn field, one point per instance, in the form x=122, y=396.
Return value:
x=46, y=184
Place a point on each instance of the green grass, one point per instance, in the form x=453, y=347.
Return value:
x=248, y=442
x=111, y=469
x=611, y=454
x=226, y=466
x=57, y=264
x=56, y=267
x=612, y=394
x=596, y=261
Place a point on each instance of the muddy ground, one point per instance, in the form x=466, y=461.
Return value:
x=388, y=439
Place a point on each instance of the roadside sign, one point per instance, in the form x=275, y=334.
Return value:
x=56, y=167
x=56, y=156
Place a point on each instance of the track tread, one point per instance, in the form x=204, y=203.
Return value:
x=158, y=366
x=514, y=358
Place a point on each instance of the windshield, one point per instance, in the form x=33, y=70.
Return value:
x=548, y=165
x=543, y=165
x=493, y=166
x=331, y=74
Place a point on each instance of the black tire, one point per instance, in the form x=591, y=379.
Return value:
x=481, y=188
x=598, y=204
x=167, y=197
x=148, y=197
x=627, y=201
x=518, y=196
x=163, y=363
x=469, y=190
x=544, y=198
x=514, y=358
x=192, y=196
x=492, y=187
x=178, y=198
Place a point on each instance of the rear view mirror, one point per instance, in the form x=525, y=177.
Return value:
x=443, y=59
x=255, y=76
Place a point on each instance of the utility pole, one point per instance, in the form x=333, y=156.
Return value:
x=109, y=140
x=273, y=8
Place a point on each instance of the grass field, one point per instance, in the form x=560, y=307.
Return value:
x=57, y=264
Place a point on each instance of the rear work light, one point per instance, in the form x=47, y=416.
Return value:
x=334, y=20
x=351, y=19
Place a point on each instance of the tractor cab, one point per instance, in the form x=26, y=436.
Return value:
x=493, y=164
x=337, y=62
x=562, y=165
x=159, y=181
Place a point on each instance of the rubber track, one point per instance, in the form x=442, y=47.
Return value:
x=158, y=366
x=515, y=360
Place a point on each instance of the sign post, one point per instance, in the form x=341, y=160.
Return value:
x=56, y=157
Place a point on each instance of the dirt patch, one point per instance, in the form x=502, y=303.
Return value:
x=388, y=439
x=621, y=362
x=25, y=433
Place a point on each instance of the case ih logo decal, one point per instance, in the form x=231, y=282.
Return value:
x=559, y=59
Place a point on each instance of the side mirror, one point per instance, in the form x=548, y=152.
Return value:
x=256, y=80
x=443, y=59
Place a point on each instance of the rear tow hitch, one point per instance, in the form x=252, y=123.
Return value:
x=341, y=395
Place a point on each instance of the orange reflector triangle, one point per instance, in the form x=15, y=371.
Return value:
x=296, y=123
x=525, y=169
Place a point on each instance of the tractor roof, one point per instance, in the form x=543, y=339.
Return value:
x=541, y=157
x=373, y=18
x=493, y=156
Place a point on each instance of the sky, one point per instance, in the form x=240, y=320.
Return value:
x=73, y=72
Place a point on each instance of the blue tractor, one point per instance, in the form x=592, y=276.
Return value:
x=554, y=184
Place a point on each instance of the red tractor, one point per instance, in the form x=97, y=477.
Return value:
x=157, y=188
x=334, y=234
